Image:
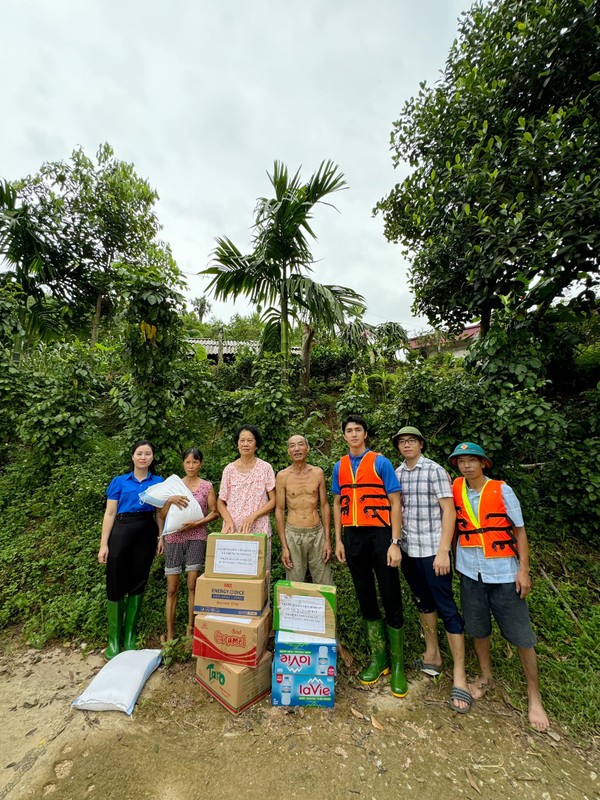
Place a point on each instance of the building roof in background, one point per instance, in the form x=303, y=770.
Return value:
x=230, y=346
x=466, y=336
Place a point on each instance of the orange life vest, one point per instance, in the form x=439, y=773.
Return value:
x=363, y=499
x=491, y=528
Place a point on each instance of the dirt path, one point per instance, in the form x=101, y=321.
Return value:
x=181, y=744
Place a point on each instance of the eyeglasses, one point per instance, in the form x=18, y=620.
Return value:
x=412, y=440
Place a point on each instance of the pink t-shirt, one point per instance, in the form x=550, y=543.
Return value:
x=201, y=532
x=246, y=492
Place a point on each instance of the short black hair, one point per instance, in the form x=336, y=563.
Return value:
x=193, y=451
x=251, y=429
x=357, y=420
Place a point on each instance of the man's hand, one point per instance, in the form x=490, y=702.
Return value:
x=394, y=555
x=340, y=552
x=103, y=554
x=523, y=583
x=285, y=558
x=326, y=551
x=441, y=563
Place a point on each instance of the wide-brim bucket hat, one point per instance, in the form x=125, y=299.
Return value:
x=468, y=449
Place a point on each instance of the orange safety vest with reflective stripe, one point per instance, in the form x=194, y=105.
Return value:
x=363, y=499
x=491, y=528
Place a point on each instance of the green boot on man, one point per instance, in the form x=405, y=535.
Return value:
x=398, y=684
x=379, y=664
x=132, y=614
x=115, y=611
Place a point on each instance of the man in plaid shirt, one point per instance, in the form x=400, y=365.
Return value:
x=428, y=522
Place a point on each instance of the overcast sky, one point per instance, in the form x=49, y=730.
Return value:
x=203, y=96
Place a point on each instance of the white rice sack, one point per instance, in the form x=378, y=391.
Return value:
x=177, y=517
x=118, y=684
x=158, y=494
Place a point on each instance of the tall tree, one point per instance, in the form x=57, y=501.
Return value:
x=274, y=275
x=96, y=215
x=201, y=306
x=502, y=208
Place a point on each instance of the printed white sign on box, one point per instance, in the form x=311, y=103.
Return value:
x=233, y=557
x=302, y=613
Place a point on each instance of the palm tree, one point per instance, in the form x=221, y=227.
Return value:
x=274, y=275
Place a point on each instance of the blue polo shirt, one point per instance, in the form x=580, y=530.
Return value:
x=383, y=467
x=126, y=490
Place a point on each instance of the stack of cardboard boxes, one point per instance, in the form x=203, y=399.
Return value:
x=304, y=665
x=233, y=620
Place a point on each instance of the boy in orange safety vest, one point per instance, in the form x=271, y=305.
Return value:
x=366, y=507
x=492, y=557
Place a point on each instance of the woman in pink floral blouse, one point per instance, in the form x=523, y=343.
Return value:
x=247, y=493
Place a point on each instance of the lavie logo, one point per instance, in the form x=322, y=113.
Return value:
x=230, y=639
x=215, y=675
x=314, y=688
x=294, y=660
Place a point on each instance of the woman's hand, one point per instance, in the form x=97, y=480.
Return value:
x=228, y=526
x=248, y=523
x=179, y=500
x=160, y=548
x=103, y=554
x=187, y=526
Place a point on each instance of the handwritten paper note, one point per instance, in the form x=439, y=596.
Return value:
x=233, y=557
x=298, y=613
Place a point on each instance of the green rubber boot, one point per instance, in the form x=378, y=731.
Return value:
x=115, y=627
x=132, y=614
x=378, y=646
x=398, y=683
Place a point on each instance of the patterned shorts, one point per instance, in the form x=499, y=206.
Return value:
x=191, y=554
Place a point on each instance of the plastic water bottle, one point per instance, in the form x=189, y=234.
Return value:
x=286, y=690
x=323, y=660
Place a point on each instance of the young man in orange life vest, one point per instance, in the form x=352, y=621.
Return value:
x=366, y=506
x=492, y=557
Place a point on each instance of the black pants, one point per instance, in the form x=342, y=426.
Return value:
x=366, y=556
x=131, y=550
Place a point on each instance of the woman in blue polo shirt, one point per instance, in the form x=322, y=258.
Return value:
x=128, y=547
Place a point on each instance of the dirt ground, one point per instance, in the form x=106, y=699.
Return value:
x=180, y=743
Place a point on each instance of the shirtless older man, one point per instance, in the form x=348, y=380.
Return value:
x=305, y=537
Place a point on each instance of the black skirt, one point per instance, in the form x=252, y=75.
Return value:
x=131, y=551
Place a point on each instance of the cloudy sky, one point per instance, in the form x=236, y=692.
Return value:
x=203, y=96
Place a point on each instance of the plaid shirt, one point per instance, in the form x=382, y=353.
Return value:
x=422, y=487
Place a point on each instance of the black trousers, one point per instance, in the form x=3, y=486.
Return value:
x=131, y=551
x=366, y=555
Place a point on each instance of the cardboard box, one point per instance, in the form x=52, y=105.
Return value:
x=235, y=687
x=236, y=555
x=237, y=640
x=302, y=690
x=301, y=654
x=247, y=598
x=305, y=608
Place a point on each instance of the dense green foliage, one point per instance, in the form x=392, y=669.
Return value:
x=502, y=207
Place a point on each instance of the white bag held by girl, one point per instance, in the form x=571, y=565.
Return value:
x=158, y=494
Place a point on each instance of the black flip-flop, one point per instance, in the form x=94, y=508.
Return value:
x=460, y=694
x=433, y=670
